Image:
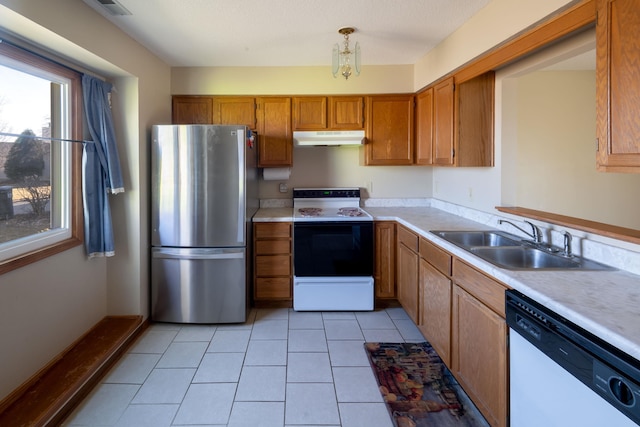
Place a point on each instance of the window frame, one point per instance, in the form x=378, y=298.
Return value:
x=76, y=223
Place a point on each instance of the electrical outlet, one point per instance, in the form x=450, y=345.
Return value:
x=283, y=187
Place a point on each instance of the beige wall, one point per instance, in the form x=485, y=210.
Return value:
x=46, y=306
x=288, y=80
x=556, y=152
x=493, y=24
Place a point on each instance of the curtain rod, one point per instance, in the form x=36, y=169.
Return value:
x=44, y=54
x=44, y=137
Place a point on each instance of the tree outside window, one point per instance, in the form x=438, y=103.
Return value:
x=40, y=116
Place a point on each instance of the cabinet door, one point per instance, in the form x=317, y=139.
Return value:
x=443, y=122
x=235, y=110
x=346, y=112
x=424, y=127
x=479, y=350
x=196, y=110
x=617, y=85
x=275, y=143
x=475, y=121
x=435, y=312
x=389, y=130
x=407, y=272
x=309, y=112
x=384, y=274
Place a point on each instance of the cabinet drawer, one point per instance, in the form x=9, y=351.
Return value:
x=408, y=238
x=435, y=256
x=272, y=230
x=273, y=288
x=271, y=247
x=484, y=288
x=273, y=265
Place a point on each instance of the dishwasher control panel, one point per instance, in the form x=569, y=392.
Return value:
x=613, y=375
x=616, y=388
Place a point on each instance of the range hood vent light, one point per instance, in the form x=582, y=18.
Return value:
x=328, y=137
x=113, y=7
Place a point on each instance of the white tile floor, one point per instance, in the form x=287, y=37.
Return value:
x=280, y=368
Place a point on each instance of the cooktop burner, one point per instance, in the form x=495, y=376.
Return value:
x=350, y=212
x=310, y=211
x=328, y=204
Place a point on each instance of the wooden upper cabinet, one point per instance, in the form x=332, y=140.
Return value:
x=617, y=85
x=217, y=110
x=389, y=130
x=424, y=127
x=309, y=112
x=474, y=107
x=346, y=112
x=454, y=122
x=330, y=113
x=443, y=104
x=235, y=110
x=275, y=142
x=191, y=109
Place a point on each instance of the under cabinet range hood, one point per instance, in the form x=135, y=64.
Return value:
x=328, y=137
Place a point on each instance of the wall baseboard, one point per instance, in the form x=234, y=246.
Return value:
x=50, y=394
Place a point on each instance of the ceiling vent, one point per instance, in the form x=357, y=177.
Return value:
x=113, y=7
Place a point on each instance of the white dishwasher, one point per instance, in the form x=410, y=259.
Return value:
x=562, y=375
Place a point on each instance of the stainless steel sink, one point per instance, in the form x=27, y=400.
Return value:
x=469, y=239
x=509, y=251
x=528, y=258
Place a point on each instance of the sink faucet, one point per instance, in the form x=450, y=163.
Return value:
x=535, y=234
x=567, y=245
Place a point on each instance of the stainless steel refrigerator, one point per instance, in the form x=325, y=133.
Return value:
x=203, y=195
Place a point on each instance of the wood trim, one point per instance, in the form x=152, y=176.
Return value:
x=50, y=394
x=613, y=231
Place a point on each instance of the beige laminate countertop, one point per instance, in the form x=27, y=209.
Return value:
x=605, y=303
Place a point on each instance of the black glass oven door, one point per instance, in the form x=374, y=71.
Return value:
x=330, y=249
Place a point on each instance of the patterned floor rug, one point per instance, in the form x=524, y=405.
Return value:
x=418, y=388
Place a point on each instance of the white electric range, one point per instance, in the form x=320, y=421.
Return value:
x=332, y=251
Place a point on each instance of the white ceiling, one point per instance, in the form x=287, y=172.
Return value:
x=288, y=32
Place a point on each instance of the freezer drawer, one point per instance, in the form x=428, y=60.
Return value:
x=198, y=285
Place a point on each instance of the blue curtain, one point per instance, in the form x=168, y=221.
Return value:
x=101, y=173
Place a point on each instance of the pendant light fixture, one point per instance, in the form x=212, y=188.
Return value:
x=346, y=62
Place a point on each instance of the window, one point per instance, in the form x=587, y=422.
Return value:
x=40, y=193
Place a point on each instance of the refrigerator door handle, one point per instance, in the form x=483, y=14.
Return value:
x=241, y=179
x=181, y=254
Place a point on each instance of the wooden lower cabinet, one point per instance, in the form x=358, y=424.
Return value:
x=272, y=267
x=479, y=342
x=435, y=287
x=435, y=313
x=407, y=272
x=384, y=274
